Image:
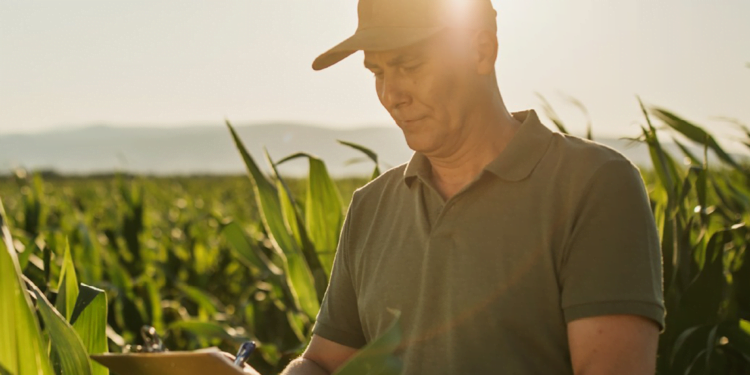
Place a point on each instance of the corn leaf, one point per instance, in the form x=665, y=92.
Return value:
x=92, y=271
x=22, y=347
x=704, y=296
x=68, y=286
x=738, y=336
x=294, y=221
x=578, y=104
x=690, y=340
x=323, y=213
x=370, y=154
x=695, y=133
x=300, y=278
x=156, y=312
x=206, y=302
x=247, y=252
x=259, y=264
x=289, y=206
x=69, y=355
x=663, y=163
x=89, y=320
x=693, y=159
x=552, y=115
x=323, y=210
x=741, y=282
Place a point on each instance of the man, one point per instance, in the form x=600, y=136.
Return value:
x=508, y=248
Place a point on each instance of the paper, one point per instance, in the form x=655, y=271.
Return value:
x=199, y=362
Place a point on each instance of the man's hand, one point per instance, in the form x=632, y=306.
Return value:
x=322, y=357
x=250, y=370
x=613, y=344
x=247, y=369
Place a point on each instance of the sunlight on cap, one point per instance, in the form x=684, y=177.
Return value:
x=459, y=12
x=474, y=14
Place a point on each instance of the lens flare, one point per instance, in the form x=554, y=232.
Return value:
x=459, y=12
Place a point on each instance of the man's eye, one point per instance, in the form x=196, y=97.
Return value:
x=412, y=67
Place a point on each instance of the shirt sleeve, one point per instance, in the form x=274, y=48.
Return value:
x=338, y=319
x=612, y=263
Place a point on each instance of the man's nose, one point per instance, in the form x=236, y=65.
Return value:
x=393, y=93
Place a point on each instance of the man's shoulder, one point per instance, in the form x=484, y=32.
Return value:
x=389, y=180
x=582, y=158
x=588, y=152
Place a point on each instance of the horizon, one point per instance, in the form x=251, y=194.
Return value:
x=735, y=146
x=208, y=150
x=222, y=125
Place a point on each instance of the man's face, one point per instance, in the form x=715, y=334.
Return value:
x=427, y=88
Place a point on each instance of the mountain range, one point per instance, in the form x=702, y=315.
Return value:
x=210, y=150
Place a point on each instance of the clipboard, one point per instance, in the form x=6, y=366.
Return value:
x=199, y=362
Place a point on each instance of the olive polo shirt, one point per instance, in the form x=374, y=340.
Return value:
x=556, y=228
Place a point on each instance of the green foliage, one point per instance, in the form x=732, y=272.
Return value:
x=89, y=320
x=68, y=292
x=369, y=153
x=704, y=245
x=222, y=259
x=69, y=356
x=22, y=346
x=179, y=254
x=81, y=314
x=300, y=282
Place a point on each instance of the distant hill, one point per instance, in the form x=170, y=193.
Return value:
x=209, y=149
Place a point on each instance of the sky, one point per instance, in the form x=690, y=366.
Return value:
x=171, y=63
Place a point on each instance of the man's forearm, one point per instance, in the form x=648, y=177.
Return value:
x=304, y=366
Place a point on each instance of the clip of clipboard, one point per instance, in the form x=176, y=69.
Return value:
x=151, y=359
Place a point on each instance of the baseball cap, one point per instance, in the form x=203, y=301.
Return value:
x=390, y=24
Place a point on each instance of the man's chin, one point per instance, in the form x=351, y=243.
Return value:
x=419, y=143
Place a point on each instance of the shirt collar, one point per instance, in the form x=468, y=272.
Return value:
x=515, y=162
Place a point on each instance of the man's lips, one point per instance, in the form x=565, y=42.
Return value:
x=413, y=120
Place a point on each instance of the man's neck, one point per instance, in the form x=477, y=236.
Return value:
x=483, y=142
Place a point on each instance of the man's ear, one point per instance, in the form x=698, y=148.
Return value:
x=486, y=45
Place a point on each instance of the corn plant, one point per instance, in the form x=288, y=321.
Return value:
x=215, y=261
x=304, y=240
x=198, y=268
x=74, y=327
x=702, y=220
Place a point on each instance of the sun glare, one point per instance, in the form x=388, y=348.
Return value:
x=459, y=12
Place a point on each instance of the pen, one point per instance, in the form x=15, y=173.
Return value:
x=244, y=353
x=152, y=341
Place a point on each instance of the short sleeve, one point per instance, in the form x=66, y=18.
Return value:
x=612, y=263
x=338, y=318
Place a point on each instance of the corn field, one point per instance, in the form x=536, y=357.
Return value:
x=215, y=261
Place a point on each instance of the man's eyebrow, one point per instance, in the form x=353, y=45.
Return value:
x=396, y=61
x=401, y=59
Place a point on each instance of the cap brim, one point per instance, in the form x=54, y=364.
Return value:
x=375, y=39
